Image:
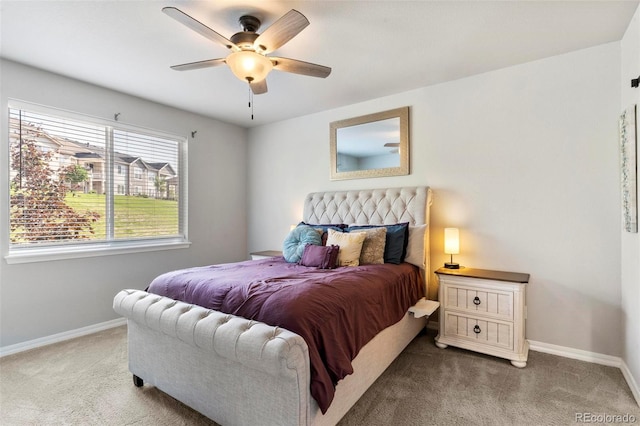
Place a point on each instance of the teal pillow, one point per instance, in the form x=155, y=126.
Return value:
x=297, y=240
x=340, y=227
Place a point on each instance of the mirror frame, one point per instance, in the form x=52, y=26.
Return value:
x=402, y=114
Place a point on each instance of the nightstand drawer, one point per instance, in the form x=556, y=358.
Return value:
x=478, y=330
x=478, y=301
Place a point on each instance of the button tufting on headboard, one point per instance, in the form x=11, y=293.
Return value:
x=373, y=206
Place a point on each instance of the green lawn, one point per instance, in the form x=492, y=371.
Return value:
x=134, y=216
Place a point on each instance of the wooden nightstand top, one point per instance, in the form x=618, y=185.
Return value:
x=267, y=253
x=487, y=274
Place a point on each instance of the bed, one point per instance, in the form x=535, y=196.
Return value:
x=238, y=371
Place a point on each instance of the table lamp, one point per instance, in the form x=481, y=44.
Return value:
x=451, y=246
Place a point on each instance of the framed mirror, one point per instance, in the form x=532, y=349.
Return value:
x=374, y=145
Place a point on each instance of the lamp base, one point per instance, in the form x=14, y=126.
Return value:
x=451, y=265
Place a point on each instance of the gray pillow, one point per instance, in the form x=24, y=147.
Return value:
x=372, y=252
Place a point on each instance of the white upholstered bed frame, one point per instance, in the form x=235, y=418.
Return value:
x=241, y=372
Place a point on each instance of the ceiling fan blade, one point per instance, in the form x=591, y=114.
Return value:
x=197, y=65
x=281, y=31
x=259, y=88
x=199, y=27
x=300, y=67
x=392, y=144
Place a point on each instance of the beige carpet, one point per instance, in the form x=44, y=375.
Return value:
x=86, y=382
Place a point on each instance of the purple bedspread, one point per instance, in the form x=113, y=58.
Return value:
x=336, y=311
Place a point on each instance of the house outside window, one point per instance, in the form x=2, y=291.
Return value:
x=58, y=205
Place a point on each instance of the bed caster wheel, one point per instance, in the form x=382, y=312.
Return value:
x=137, y=381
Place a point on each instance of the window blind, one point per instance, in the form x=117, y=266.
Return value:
x=73, y=181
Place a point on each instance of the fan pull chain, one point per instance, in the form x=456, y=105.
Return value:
x=251, y=100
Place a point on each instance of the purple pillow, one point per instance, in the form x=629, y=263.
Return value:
x=323, y=257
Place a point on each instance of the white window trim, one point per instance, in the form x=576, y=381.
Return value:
x=17, y=255
x=46, y=254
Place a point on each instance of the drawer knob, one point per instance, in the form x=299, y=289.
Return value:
x=476, y=300
x=476, y=329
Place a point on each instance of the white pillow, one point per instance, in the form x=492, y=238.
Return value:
x=350, y=246
x=415, y=247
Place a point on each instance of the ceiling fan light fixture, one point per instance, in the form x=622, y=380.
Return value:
x=249, y=66
x=249, y=62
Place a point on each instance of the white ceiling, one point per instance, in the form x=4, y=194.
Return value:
x=376, y=48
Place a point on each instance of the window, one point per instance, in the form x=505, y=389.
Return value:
x=57, y=204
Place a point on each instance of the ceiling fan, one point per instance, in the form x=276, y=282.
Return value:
x=248, y=60
x=395, y=147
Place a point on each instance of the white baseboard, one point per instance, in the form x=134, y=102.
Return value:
x=633, y=385
x=579, y=354
x=55, y=338
x=596, y=358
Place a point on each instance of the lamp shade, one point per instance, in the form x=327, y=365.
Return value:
x=249, y=66
x=451, y=241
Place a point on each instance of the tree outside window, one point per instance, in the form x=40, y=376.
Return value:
x=55, y=199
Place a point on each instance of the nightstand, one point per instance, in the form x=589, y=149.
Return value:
x=265, y=254
x=484, y=311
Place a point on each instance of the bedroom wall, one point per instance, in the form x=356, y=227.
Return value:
x=524, y=160
x=45, y=298
x=630, y=55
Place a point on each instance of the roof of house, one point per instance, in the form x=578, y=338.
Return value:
x=87, y=151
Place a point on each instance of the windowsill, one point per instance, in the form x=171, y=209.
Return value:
x=47, y=254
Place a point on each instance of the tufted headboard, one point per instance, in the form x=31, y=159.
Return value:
x=370, y=206
x=374, y=207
